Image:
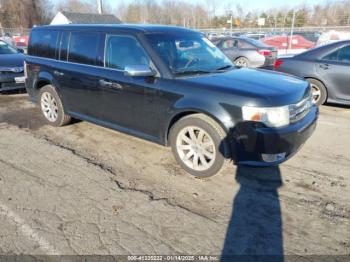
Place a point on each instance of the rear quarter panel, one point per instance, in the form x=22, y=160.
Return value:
x=300, y=68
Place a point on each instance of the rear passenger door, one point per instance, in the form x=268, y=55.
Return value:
x=81, y=55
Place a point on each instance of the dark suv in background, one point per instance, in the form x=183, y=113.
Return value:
x=172, y=86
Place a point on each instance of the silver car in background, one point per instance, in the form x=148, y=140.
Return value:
x=247, y=52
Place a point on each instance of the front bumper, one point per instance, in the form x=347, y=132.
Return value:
x=8, y=81
x=252, y=140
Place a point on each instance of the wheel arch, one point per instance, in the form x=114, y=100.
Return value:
x=186, y=112
x=241, y=56
x=45, y=78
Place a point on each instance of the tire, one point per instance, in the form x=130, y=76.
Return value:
x=242, y=62
x=51, y=107
x=319, y=91
x=208, y=149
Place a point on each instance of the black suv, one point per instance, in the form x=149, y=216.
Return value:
x=172, y=86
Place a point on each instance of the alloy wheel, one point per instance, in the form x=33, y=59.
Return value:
x=241, y=62
x=316, y=93
x=49, y=106
x=196, y=148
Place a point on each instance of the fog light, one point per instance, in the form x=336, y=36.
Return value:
x=273, y=157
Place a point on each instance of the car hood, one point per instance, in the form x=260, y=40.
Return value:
x=12, y=60
x=264, y=87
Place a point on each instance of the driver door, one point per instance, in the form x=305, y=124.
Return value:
x=126, y=101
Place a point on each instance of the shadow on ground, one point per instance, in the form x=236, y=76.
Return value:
x=254, y=232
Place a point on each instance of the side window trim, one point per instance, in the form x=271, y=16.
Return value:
x=60, y=46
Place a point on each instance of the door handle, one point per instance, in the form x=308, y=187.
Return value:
x=106, y=83
x=324, y=66
x=58, y=73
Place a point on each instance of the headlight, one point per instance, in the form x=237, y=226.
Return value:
x=270, y=116
x=12, y=69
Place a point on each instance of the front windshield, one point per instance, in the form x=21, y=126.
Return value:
x=189, y=53
x=6, y=49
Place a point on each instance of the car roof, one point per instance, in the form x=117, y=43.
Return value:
x=131, y=28
x=320, y=50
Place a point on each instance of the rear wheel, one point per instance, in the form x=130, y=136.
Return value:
x=52, y=108
x=198, y=144
x=319, y=91
x=242, y=62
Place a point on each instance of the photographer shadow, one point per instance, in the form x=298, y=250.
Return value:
x=254, y=232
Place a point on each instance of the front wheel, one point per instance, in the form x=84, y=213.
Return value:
x=198, y=144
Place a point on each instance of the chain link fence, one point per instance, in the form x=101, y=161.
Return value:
x=319, y=29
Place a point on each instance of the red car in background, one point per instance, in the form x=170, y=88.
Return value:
x=298, y=43
x=21, y=41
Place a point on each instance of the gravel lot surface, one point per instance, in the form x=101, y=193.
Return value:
x=84, y=189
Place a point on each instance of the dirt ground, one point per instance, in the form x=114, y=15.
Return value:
x=84, y=189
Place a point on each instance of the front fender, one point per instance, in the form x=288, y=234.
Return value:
x=187, y=106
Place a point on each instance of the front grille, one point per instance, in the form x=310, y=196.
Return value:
x=300, y=110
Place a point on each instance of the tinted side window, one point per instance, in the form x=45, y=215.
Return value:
x=43, y=43
x=332, y=56
x=122, y=51
x=83, y=47
x=341, y=55
x=344, y=54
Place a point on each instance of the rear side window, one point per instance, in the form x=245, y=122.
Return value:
x=341, y=55
x=344, y=54
x=83, y=48
x=43, y=43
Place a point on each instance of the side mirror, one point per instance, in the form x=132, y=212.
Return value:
x=139, y=70
x=20, y=50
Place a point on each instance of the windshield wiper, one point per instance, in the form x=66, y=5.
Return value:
x=224, y=67
x=192, y=72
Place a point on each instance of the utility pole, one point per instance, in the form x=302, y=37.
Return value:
x=99, y=6
x=292, y=31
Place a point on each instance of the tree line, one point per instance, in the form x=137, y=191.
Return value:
x=203, y=14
